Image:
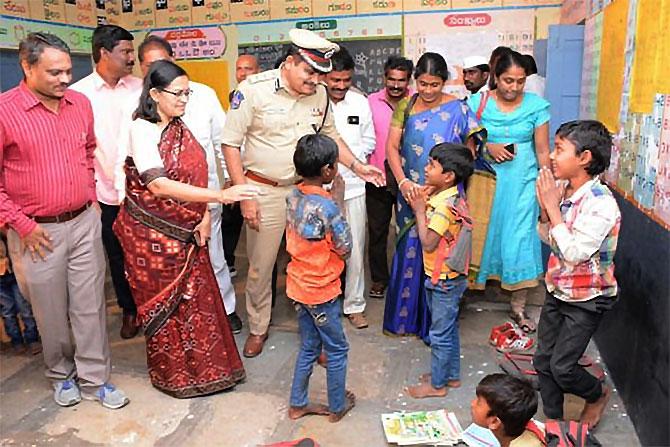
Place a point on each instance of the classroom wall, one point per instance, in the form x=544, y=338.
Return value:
x=209, y=34
x=625, y=85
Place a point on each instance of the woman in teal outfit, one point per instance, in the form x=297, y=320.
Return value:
x=512, y=251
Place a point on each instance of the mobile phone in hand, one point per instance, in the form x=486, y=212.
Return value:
x=511, y=148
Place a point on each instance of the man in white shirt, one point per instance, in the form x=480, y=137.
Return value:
x=205, y=119
x=534, y=82
x=353, y=120
x=475, y=74
x=109, y=87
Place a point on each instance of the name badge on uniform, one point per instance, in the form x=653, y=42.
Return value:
x=353, y=120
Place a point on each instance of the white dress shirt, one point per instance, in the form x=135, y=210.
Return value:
x=353, y=120
x=535, y=84
x=108, y=111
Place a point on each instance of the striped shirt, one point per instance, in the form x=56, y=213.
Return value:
x=581, y=264
x=46, y=158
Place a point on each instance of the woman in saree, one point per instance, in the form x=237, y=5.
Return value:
x=428, y=118
x=518, y=142
x=163, y=227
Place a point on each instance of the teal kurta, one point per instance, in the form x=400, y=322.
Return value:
x=512, y=252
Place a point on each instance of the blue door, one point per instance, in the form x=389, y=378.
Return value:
x=564, y=73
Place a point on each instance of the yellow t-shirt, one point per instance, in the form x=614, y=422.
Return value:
x=440, y=219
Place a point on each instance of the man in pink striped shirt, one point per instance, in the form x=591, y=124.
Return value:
x=379, y=199
x=110, y=88
x=48, y=199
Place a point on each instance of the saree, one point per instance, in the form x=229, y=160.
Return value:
x=190, y=347
x=406, y=311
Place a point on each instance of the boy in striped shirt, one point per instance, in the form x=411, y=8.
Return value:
x=580, y=221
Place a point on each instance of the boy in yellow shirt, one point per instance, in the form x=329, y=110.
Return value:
x=444, y=228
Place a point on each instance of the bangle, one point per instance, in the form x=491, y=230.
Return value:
x=353, y=163
x=402, y=181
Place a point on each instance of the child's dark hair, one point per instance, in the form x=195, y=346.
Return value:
x=512, y=400
x=589, y=135
x=454, y=157
x=312, y=153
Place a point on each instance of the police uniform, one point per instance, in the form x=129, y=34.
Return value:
x=270, y=121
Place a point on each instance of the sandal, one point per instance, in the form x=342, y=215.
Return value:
x=377, y=291
x=524, y=322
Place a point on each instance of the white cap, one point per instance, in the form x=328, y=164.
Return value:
x=474, y=61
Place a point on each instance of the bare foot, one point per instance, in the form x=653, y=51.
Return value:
x=322, y=360
x=592, y=413
x=425, y=390
x=349, y=403
x=298, y=412
x=425, y=378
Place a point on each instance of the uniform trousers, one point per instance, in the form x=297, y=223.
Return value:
x=262, y=248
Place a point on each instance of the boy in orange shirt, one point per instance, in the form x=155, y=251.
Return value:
x=318, y=239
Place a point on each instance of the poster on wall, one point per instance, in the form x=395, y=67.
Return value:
x=81, y=12
x=173, y=13
x=249, y=11
x=370, y=40
x=325, y=8
x=646, y=164
x=593, y=34
x=15, y=8
x=13, y=30
x=196, y=43
x=610, y=82
x=378, y=6
x=51, y=11
x=629, y=54
x=208, y=12
x=456, y=35
x=290, y=9
x=662, y=190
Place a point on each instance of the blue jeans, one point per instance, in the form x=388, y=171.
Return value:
x=321, y=326
x=445, y=347
x=12, y=304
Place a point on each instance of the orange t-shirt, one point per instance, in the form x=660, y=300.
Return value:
x=318, y=239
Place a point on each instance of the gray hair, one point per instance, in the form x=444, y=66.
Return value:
x=32, y=46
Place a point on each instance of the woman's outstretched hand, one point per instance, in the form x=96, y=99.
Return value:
x=238, y=193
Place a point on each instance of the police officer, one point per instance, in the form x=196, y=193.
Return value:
x=270, y=111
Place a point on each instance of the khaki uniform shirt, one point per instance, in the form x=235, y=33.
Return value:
x=270, y=122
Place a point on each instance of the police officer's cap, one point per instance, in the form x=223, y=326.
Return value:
x=314, y=49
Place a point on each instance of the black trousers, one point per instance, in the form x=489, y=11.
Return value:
x=231, y=227
x=115, y=256
x=563, y=334
x=379, y=202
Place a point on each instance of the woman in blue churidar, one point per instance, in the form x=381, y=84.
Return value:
x=433, y=118
x=512, y=253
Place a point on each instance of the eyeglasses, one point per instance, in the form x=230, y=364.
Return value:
x=179, y=93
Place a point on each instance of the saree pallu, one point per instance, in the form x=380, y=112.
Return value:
x=406, y=310
x=190, y=347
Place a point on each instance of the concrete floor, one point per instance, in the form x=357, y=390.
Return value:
x=255, y=411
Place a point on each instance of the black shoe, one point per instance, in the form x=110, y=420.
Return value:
x=235, y=323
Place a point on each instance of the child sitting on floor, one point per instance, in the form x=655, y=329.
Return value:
x=444, y=228
x=318, y=239
x=505, y=404
x=580, y=221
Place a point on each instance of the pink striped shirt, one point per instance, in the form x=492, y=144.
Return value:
x=46, y=158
